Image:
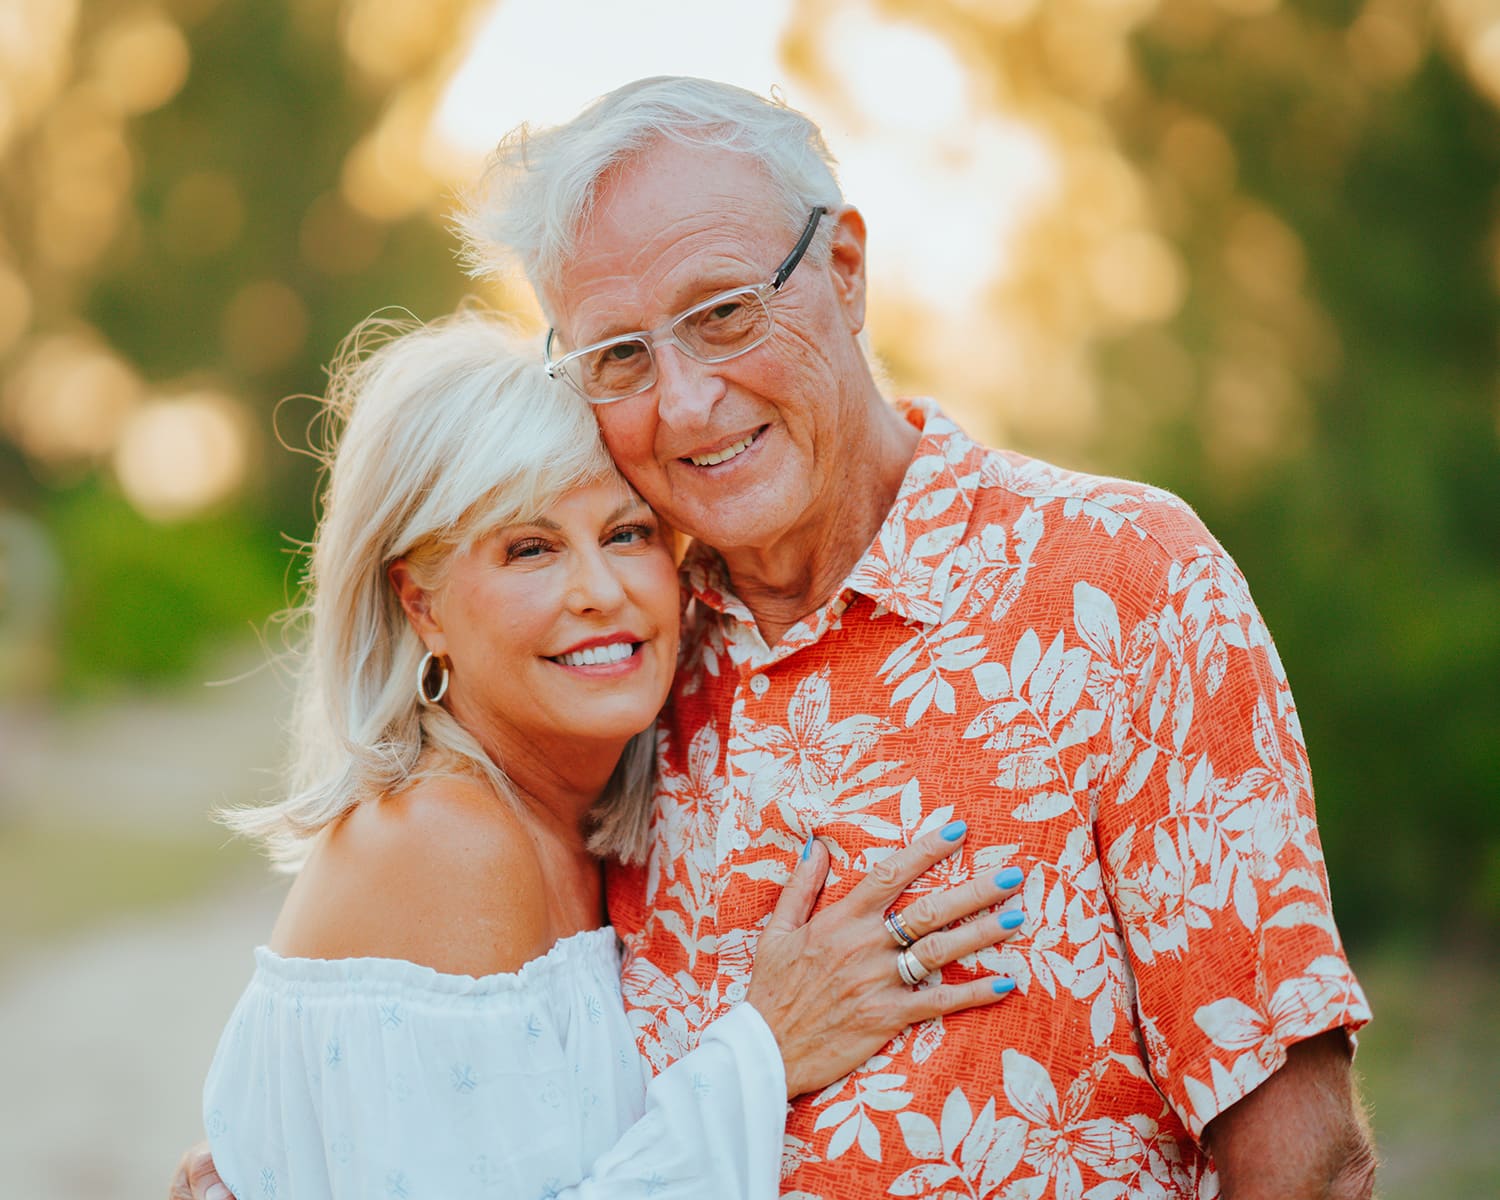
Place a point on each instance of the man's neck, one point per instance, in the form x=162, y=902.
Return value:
x=789, y=580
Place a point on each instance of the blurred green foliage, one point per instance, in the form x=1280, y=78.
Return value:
x=1374, y=553
x=142, y=601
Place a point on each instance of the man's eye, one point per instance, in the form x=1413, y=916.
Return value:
x=622, y=351
x=725, y=310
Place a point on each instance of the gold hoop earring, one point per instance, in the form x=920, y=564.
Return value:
x=424, y=671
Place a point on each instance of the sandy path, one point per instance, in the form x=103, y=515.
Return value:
x=104, y=1042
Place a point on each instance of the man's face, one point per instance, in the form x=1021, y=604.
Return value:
x=745, y=453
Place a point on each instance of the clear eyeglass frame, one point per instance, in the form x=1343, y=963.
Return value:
x=569, y=367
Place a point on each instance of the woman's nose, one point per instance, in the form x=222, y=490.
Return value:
x=594, y=584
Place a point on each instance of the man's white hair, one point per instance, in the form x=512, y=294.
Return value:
x=433, y=436
x=540, y=185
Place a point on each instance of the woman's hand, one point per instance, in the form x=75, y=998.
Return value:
x=196, y=1177
x=829, y=987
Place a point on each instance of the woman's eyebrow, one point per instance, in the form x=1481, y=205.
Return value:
x=629, y=506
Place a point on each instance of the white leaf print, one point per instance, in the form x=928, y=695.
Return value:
x=1299, y=913
x=1043, y=806
x=992, y=680
x=956, y=1119
x=922, y=1180
x=1081, y=726
x=1137, y=773
x=935, y=542
x=994, y=718
x=1023, y=659
x=835, y=1113
x=932, y=504
x=1182, y=709
x=843, y=1137
x=1097, y=620
x=911, y=803
x=1231, y=1024
x=1029, y=1088
x=869, y=1138
x=1102, y=1016
x=1069, y=685
x=1004, y=1154
x=921, y=1135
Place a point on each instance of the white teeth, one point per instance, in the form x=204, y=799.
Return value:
x=597, y=656
x=711, y=460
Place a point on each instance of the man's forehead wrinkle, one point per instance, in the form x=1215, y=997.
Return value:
x=683, y=262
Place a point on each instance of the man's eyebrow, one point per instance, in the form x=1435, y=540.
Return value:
x=716, y=277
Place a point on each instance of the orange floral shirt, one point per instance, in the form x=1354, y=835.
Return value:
x=1075, y=667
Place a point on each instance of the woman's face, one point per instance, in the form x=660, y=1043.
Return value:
x=562, y=633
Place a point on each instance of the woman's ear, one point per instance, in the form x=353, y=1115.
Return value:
x=416, y=602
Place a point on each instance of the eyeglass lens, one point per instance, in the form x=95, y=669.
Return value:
x=720, y=329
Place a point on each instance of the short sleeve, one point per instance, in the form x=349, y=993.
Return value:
x=1210, y=850
x=371, y=1078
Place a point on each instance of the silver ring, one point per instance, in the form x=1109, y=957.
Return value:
x=910, y=968
x=898, y=930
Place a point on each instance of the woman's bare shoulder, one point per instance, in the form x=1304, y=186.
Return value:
x=441, y=874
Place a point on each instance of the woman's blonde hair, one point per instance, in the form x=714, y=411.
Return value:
x=434, y=436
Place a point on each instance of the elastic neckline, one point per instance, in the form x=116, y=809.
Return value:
x=589, y=948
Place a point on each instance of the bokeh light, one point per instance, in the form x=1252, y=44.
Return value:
x=140, y=61
x=68, y=399
x=181, y=454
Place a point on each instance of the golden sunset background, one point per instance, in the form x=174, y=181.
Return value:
x=1247, y=250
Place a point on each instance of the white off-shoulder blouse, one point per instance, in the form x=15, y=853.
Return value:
x=378, y=1079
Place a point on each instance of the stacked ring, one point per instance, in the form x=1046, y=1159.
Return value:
x=910, y=968
x=898, y=930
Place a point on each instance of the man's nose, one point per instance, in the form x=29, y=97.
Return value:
x=686, y=390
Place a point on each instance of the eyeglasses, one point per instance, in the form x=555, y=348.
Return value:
x=717, y=329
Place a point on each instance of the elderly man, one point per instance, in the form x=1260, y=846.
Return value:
x=891, y=626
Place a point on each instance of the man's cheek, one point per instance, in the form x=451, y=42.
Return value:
x=627, y=437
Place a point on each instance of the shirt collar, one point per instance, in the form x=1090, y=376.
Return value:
x=909, y=567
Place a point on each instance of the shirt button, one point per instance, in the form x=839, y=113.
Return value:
x=759, y=684
x=739, y=839
x=735, y=992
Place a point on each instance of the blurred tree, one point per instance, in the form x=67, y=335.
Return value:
x=198, y=210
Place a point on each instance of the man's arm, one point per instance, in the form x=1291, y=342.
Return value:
x=1301, y=1135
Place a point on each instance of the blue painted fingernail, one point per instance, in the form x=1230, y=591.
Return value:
x=1010, y=877
x=807, y=849
x=953, y=830
x=1001, y=986
x=1012, y=918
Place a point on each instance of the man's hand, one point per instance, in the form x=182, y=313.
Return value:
x=1301, y=1135
x=196, y=1178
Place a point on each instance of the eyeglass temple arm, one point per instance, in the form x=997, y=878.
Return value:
x=789, y=263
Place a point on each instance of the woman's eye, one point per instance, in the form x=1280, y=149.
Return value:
x=628, y=535
x=524, y=550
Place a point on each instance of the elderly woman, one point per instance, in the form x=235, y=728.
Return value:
x=493, y=629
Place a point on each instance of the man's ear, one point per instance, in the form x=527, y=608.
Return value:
x=416, y=602
x=847, y=264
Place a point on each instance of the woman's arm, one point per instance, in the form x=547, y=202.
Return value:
x=825, y=993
